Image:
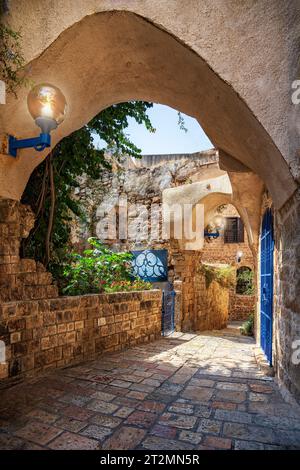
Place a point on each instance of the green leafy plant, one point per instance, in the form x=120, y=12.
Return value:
x=223, y=275
x=11, y=59
x=95, y=270
x=127, y=286
x=244, y=281
x=247, y=328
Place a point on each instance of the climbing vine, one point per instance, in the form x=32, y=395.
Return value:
x=11, y=58
x=223, y=275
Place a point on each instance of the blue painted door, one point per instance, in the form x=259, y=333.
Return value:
x=266, y=284
x=152, y=266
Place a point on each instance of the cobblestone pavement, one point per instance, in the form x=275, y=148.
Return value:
x=185, y=392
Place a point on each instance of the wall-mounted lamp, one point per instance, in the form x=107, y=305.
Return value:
x=213, y=235
x=216, y=226
x=47, y=105
x=239, y=256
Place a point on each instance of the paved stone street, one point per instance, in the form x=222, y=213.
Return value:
x=185, y=392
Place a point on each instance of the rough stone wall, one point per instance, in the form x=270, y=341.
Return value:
x=240, y=306
x=141, y=183
x=212, y=305
x=43, y=334
x=184, y=265
x=286, y=324
x=20, y=279
x=203, y=307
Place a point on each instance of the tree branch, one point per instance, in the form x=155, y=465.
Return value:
x=52, y=209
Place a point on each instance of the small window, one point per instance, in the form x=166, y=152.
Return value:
x=234, y=230
x=244, y=281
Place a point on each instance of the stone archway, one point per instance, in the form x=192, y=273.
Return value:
x=115, y=56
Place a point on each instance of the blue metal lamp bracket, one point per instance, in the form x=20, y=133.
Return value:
x=211, y=234
x=38, y=143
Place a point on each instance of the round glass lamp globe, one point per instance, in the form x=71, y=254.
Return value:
x=219, y=221
x=47, y=101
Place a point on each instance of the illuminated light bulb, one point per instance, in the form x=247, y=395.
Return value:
x=47, y=105
x=47, y=110
x=218, y=222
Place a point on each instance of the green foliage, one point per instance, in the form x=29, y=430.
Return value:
x=224, y=275
x=11, y=58
x=128, y=286
x=247, y=328
x=244, y=282
x=95, y=270
x=181, y=122
x=51, y=198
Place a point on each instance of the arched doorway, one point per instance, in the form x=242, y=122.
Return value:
x=266, y=284
x=113, y=57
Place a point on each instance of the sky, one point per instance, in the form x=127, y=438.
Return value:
x=168, y=138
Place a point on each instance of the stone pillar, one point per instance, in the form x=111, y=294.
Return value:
x=178, y=304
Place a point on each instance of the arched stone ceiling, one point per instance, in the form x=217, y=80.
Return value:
x=112, y=57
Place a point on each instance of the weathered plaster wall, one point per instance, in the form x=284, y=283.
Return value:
x=259, y=66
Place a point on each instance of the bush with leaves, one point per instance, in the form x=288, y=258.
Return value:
x=245, y=281
x=247, y=328
x=95, y=269
x=223, y=275
x=128, y=286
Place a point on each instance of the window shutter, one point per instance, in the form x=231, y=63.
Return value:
x=240, y=230
x=230, y=230
x=234, y=230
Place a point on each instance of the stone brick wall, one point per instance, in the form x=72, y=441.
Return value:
x=211, y=305
x=202, y=307
x=20, y=279
x=240, y=306
x=286, y=323
x=50, y=333
x=217, y=251
x=184, y=266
